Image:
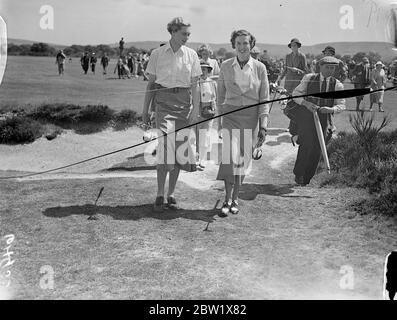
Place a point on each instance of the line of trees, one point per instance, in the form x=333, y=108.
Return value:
x=43, y=49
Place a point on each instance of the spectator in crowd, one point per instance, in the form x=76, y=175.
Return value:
x=205, y=52
x=119, y=68
x=207, y=110
x=361, y=78
x=255, y=53
x=93, y=61
x=130, y=63
x=105, y=62
x=295, y=67
x=60, y=61
x=85, y=62
x=378, y=81
x=265, y=59
x=340, y=71
x=121, y=46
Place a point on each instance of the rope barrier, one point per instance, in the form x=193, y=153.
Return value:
x=325, y=95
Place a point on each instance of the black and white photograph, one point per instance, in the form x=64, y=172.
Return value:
x=227, y=150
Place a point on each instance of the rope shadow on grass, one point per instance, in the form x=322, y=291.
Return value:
x=251, y=190
x=279, y=141
x=131, y=212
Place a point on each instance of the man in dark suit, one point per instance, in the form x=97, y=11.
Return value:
x=93, y=61
x=361, y=78
x=85, y=62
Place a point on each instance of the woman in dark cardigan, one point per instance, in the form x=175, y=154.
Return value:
x=295, y=67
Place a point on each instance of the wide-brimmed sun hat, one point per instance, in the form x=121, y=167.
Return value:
x=204, y=64
x=294, y=40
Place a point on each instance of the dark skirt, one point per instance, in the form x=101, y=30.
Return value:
x=172, y=109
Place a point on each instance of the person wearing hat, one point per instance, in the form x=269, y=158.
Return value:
x=361, y=77
x=309, y=151
x=173, y=74
x=378, y=81
x=295, y=67
x=208, y=110
x=255, y=53
x=205, y=52
x=341, y=69
x=93, y=61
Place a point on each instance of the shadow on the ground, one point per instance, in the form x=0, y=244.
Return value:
x=131, y=212
x=281, y=139
x=251, y=190
x=275, y=132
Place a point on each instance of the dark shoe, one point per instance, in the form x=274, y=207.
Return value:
x=300, y=180
x=234, y=207
x=171, y=203
x=224, y=210
x=159, y=204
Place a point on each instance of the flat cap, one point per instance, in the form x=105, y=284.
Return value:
x=330, y=49
x=329, y=60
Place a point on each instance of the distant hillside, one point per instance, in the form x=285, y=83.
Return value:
x=19, y=42
x=277, y=50
x=280, y=50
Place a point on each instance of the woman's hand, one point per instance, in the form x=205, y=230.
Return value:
x=262, y=135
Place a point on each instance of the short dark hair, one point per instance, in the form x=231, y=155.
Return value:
x=238, y=33
x=176, y=24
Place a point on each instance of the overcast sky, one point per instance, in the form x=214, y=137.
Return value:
x=271, y=21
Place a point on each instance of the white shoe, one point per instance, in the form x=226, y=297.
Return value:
x=234, y=207
x=225, y=209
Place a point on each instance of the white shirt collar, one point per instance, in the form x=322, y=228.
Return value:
x=167, y=47
x=250, y=62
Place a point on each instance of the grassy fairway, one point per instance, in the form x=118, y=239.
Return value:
x=34, y=80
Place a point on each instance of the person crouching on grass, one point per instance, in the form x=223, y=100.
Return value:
x=242, y=82
x=207, y=111
x=173, y=73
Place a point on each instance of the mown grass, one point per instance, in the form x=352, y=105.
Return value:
x=367, y=159
x=22, y=126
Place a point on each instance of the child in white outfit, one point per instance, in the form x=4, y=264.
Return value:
x=207, y=110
